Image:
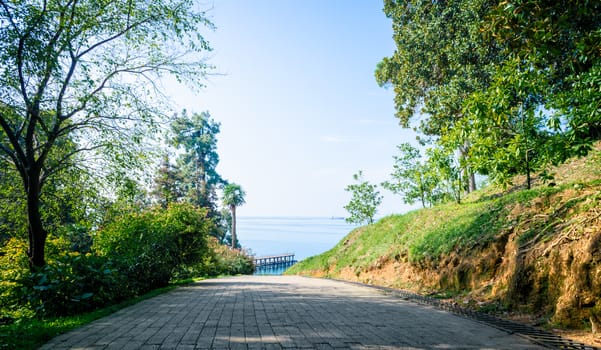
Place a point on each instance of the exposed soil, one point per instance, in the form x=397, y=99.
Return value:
x=543, y=269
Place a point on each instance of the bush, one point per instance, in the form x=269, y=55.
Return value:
x=149, y=247
x=220, y=260
x=230, y=261
x=72, y=284
x=133, y=254
x=13, y=268
x=68, y=284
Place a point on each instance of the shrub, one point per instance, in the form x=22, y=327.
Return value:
x=230, y=261
x=150, y=246
x=13, y=268
x=219, y=260
x=72, y=284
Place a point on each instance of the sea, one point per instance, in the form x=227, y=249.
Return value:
x=302, y=236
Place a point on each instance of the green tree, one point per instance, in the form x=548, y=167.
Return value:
x=196, y=135
x=233, y=196
x=364, y=201
x=69, y=203
x=511, y=133
x=444, y=168
x=561, y=42
x=168, y=184
x=440, y=59
x=581, y=110
x=13, y=220
x=561, y=37
x=85, y=72
x=411, y=177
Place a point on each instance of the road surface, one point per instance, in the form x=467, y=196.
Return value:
x=283, y=312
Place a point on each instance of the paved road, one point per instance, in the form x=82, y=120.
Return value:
x=282, y=312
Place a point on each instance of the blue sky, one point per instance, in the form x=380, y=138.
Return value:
x=298, y=104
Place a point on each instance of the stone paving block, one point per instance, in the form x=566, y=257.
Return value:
x=185, y=347
x=281, y=312
x=191, y=335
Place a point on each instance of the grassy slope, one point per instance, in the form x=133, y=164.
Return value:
x=424, y=235
x=520, y=248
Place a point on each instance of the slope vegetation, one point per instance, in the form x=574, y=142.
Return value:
x=536, y=252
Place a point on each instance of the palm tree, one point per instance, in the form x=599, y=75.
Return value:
x=233, y=196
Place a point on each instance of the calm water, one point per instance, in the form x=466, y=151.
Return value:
x=303, y=236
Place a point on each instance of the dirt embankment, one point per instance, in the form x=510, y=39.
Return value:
x=545, y=264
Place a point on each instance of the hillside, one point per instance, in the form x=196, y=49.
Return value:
x=513, y=252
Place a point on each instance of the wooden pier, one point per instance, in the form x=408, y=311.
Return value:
x=286, y=259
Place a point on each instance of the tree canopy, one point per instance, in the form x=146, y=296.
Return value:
x=196, y=136
x=512, y=85
x=85, y=72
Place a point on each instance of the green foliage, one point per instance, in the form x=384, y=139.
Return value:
x=137, y=252
x=168, y=184
x=13, y=221
x=70, y=283
x=73, y=284
x=226, y=261
x=13, y=269
x=563, y=37
x=422, y=236
x=439, y=59
x=220, y=260
x=444, y=168
x=69, y=85
x=581, y=107
x=410, y=177
x=364, y=201
x=514, y=86
x=432, y=180
x=233, y=197
x=148, y=247
x=196, y=137
x=509, y=132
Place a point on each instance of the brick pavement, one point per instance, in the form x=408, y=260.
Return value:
x=283, y=312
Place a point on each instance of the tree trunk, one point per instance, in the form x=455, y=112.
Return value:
x=472, y=181
x=468, y=175
x=233, y=209
x=528, y=177
x=37, y=233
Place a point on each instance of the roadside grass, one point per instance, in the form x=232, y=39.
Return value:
x=31, y=333
x=424, y=235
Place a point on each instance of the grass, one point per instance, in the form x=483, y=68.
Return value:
x=421, y=235
x=31, y=333
x=428, y=234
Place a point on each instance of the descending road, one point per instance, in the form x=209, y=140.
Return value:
x=283, y=312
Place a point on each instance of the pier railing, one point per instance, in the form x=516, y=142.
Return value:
x=274, y=260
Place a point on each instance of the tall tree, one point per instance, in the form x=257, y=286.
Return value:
x=511, y=134
x=439, y=60
x=168, y=184
x=233, y=197
x=561, y=41
x=85, y=71
x=196, y=134
x=364, y=201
